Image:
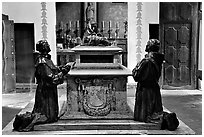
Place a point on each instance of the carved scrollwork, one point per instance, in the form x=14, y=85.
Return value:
x=95, y=96
x=100, y=110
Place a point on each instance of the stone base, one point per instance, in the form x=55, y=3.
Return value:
x=96, y=127
x=63, y=125
x=126, y=114
x=114, y=115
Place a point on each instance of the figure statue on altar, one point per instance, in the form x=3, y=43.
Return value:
x=90, y=13
x=91, y=25
x=92, y=36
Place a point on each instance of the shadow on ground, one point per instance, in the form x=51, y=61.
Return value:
x=188, y=108
x=8, y=114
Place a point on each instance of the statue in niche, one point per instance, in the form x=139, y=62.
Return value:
x=92, y=36
x=46, y=98
x=91, y=26
x=90, y=13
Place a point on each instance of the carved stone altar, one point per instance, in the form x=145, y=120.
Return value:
x=96, y=86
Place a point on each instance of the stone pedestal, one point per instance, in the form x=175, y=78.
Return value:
x=96, y=101
x=96, y=126
x=96, y=97
x=96, y=86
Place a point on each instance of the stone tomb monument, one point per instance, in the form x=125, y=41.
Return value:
x=96, y=99
x=96, y=86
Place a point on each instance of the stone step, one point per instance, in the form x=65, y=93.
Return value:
x=113, y=115
x=97, y=127
x=63, y=125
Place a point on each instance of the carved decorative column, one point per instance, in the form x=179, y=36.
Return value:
x=44, y=21
x=139, y=31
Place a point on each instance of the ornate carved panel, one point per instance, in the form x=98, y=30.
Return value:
x=176, y=11
x=96, y=97
x=170, y=11
x=184, y=74
x=170, y=73
x=185, y=11
x=177, y=54
x=171, y=36
x=171, y=51
x=184, y=34
x=183, y=55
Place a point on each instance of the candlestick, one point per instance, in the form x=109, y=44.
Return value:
x=109, y=24
x=117, y=25
x=61, y=25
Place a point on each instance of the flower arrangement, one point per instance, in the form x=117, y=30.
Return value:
x=96, y=40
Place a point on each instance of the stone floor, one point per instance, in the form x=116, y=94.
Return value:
x=26, y=100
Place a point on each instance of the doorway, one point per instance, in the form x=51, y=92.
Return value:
x=24, y=47
x=177, y=50
x=154, y=31
x=179, y=40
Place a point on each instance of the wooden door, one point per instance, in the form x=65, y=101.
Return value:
x=24, y=41
x=179, y=41
x=8, y=57
x=177, y=51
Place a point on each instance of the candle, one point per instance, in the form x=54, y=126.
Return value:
x=103, y=24
x=77, y=23
x=70, y=24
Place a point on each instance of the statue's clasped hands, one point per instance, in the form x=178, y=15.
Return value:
x=66, y=68
x=70, y=64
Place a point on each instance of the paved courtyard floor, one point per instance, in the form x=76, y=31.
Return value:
x=187, y=104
